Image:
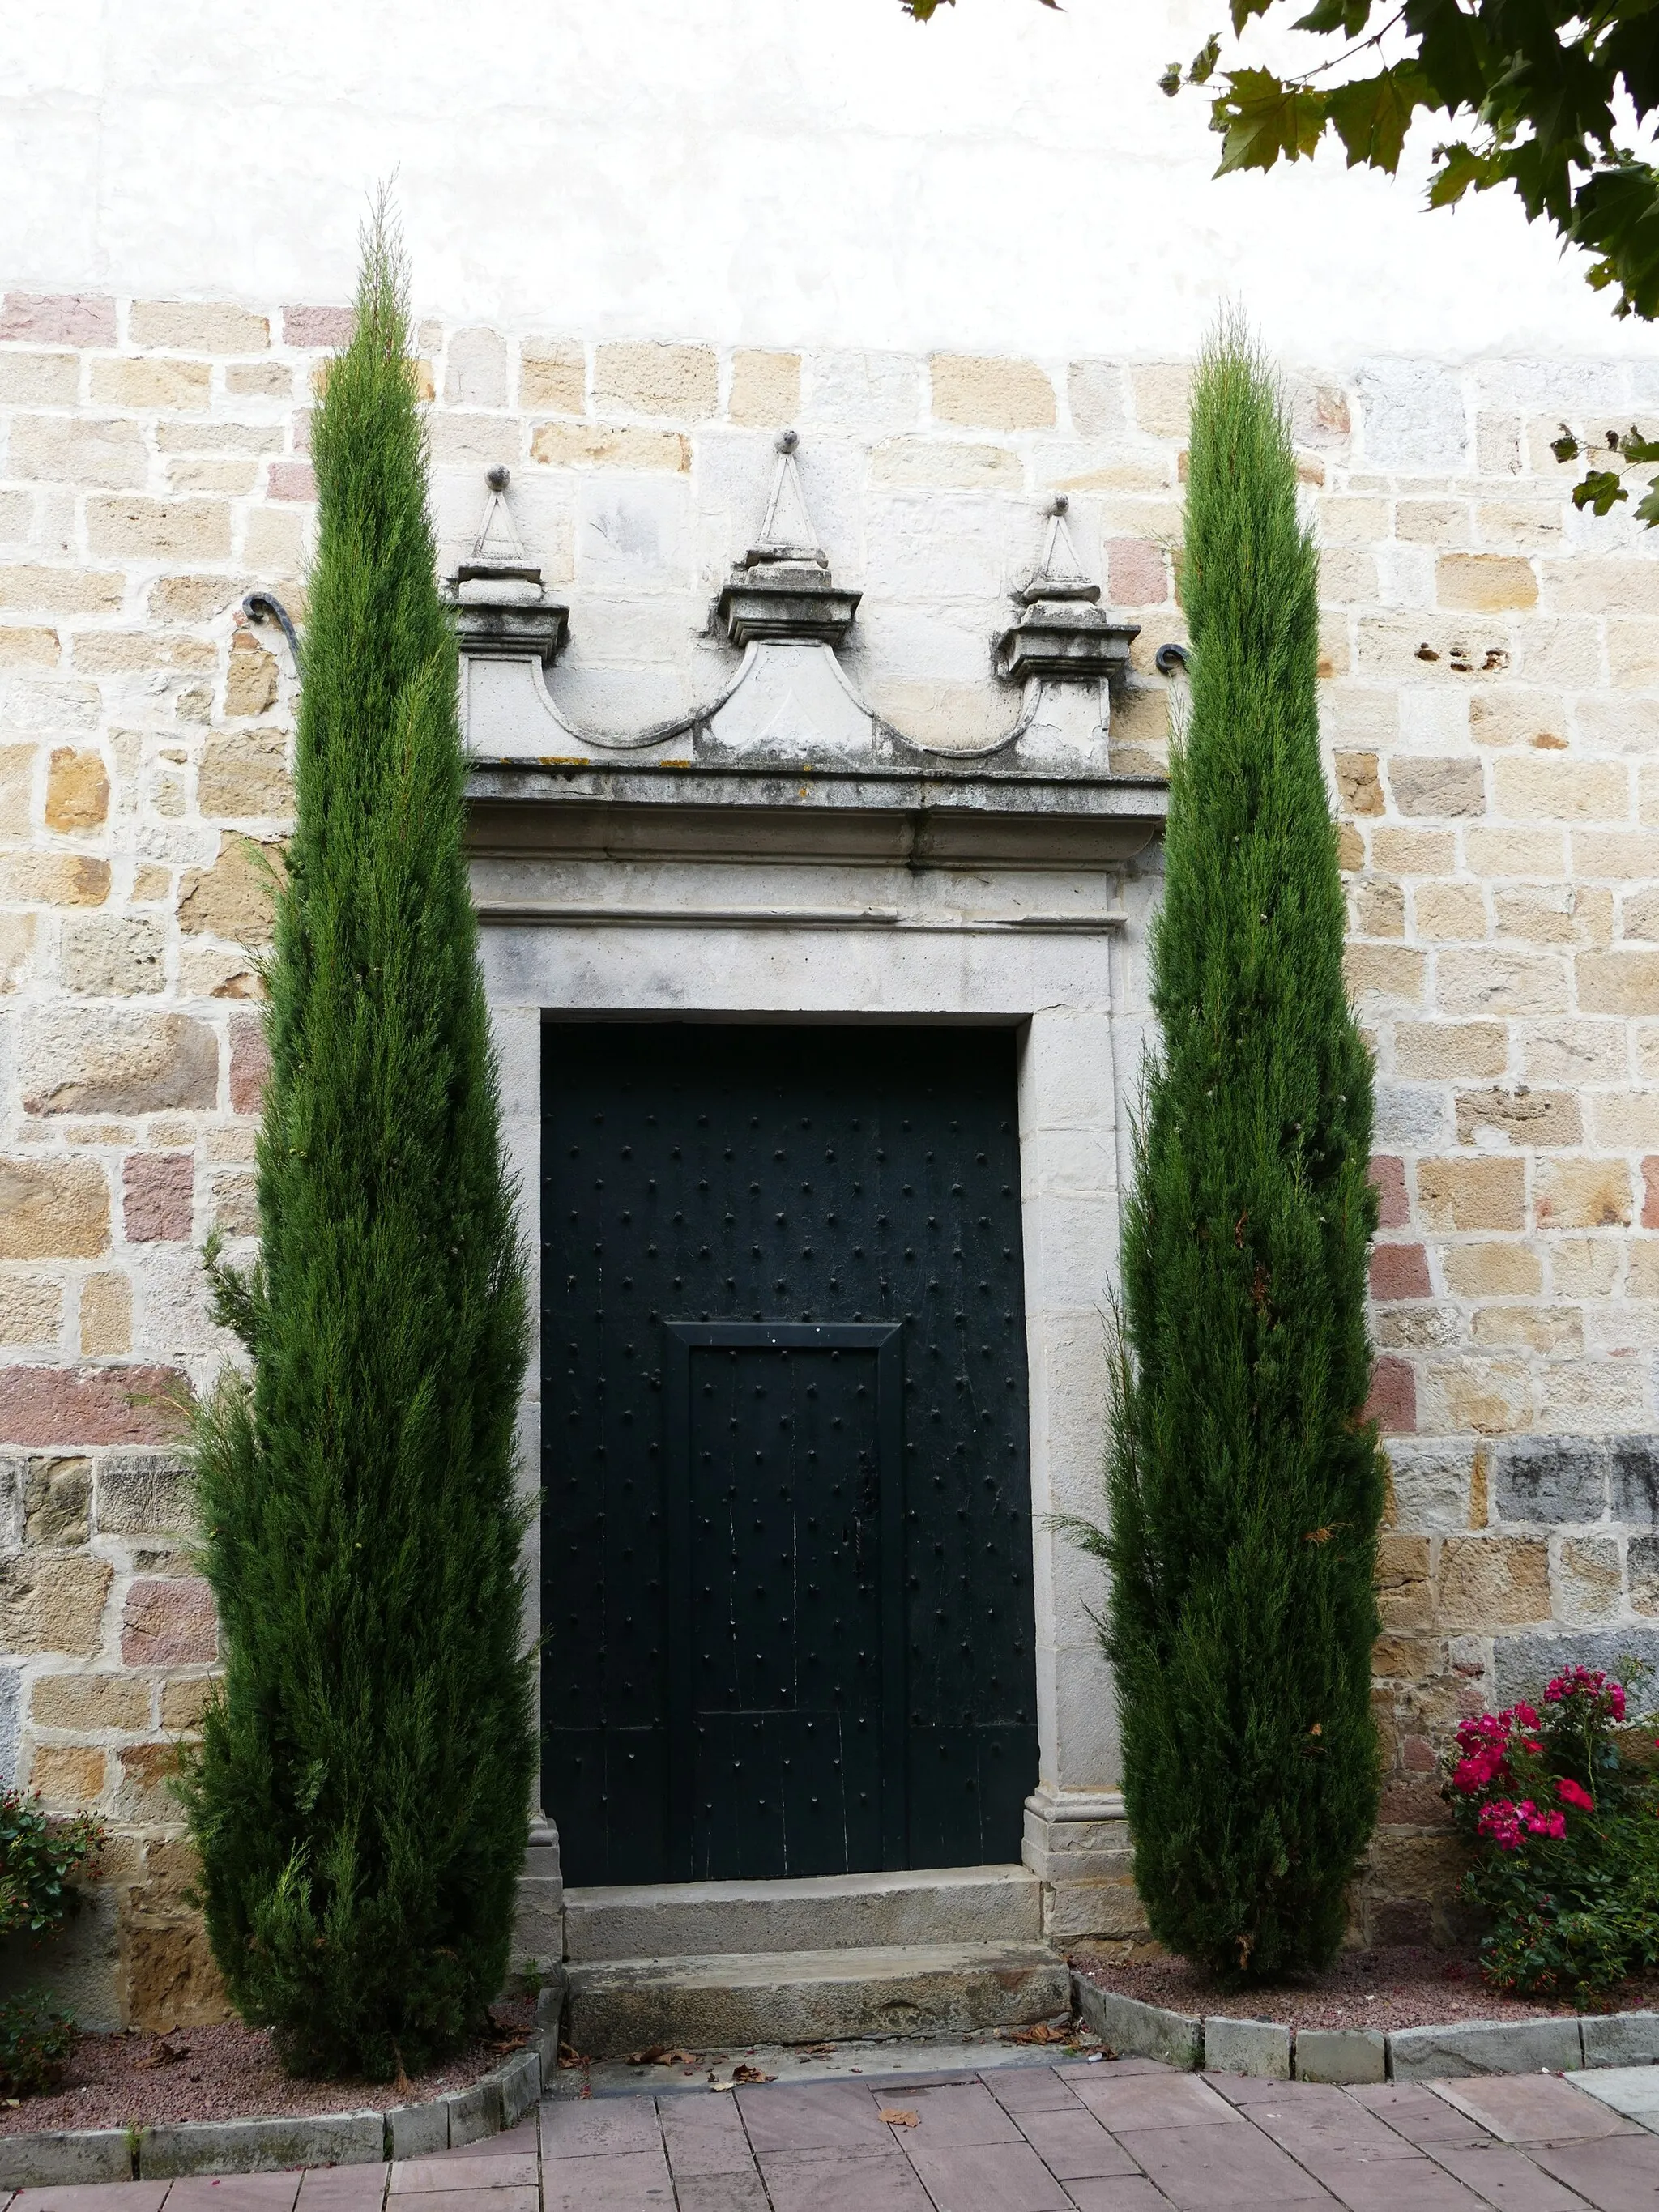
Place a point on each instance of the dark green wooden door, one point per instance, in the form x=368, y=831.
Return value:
x=786, y=1543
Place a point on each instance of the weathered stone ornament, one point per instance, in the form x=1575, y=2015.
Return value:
x=781, y=590
x=502, y=610
x=1064, y=635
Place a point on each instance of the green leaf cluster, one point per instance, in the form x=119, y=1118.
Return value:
x=360, y=1800
x=1245, y=1484
x=1554, y=97
x=40, y=1861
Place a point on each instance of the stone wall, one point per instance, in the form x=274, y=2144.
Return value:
x=1491, y=665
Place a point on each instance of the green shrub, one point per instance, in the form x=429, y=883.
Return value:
x=1245, y=1486
x=39, y=1861
x=360, y=1800
x=1559, y=1806
x=35, y=2044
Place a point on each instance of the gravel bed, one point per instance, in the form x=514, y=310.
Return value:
x=229, y=2073
x=1406, y=1986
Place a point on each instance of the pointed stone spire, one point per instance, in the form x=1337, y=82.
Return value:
x=781, y=589
x=503, y=612
x=1064, y=635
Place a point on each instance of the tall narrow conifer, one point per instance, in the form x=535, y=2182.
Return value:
x=1245, y=1483
x=359, y=1797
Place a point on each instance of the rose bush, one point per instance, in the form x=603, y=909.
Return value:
x=1561, y=1803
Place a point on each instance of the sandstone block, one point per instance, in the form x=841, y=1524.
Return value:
x=1350, y=849
x=1137, y=572
x=1389, y=1180
x=1581, y=1194
x=1385, y=971
x=54, y=878
x=245, y=776
x=552, y=377
x=144, y=1493
x=1432, y=1483
x=251, y=683
x=1138, y=2030
x=1545, y=1330
x=127, y=1063
x=295, y=480
x=70, y=319
x=1258, y=2047
x=1403, y=1596
x=1621, y=2039
x=250, y=1064
x=1556, y=788
x=106, y=1316
x=259, y=380
x=1633, y=1480
x=1473, y=2047
x=1551, y=1478
x=1644, y=1565
x=765, y=388
x=1618, y=982
x=1099, y=398
x=184, y=1702
x=991, y=392
x=1479, y=1194
x=157, y=1196
x=1555, y=914
x=1453, y=912
x=1163, y=395
x=160, y=529
x=235, y=1201
x=1624, y=1119
x=68, y=1776
x=59, y=591
x=1424, y=786
x=1433, y=522
x=151, y=383
x=136, y=1405
x=1521, y=1117
x=1399, y=1271
x=197, y=326
x=1378, y=910
x=315, y=328
x=641, y=379
x=1516, y=852
x=110, y=956
x=1358, y=787
x=274, y=542
x=1490, y=1582
x=39, y=379
x=1449, y=1049
x=144, y=1792
x=1344, y=2055
x=1501, y=980
x=1633, y=654
x=234, y=898
x=1414, y=851
x=578, y=446
x=90, y=1702
x=171, y=1980
x=1484, y=583
x=53, y=1602
x=1518, y=718
x=52, y=1208
x=31, y=1309
x=21, y=648
x=79, y=449
x=941, y=465
x=167, y=1623
x=57, y=1502
x=475, y=373
x=1392, y=1403
x=1589, y=1583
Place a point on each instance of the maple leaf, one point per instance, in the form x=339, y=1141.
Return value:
x=1261, y=117
x=1373, y=113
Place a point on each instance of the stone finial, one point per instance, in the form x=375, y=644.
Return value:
x=781, y=588
x=1063, y=634
x=502, y=608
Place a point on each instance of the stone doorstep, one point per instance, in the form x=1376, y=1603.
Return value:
x=171, y=2149
x=1461, y=2048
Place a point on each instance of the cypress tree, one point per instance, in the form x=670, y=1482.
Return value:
x=360, y=1796
x=1245, y=1484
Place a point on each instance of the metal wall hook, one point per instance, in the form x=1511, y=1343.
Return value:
x=1168, y=658
x=264, y=606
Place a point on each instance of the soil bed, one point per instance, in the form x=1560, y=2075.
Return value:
x=1405, y=1986
x=231, y=2073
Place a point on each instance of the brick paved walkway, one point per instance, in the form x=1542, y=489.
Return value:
x=1128, y=2136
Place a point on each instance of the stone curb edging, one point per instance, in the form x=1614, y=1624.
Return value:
x=170, y=2149
x=1354, y=2055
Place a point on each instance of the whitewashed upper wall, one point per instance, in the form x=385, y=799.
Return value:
x=1007, y=178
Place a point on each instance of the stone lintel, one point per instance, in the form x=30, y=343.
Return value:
x=505, y=631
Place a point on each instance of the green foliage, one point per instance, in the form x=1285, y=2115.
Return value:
x=40, y=1860
x=1559, y=1806
x=1555, y=98
x=1245, y=1484
x=34, y=2047
x=360, y=1800
x=1558, y=97
x=1601, y=489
